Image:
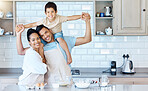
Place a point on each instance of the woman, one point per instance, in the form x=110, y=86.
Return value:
x=34, y=66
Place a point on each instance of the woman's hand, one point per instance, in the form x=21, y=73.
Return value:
x=41, y=52
x=19, y=29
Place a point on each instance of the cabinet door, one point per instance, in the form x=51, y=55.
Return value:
x=130, y=17
x=141, y=81
x=129, y=81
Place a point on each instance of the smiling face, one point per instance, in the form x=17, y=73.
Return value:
x=34, y=41
x=46, y=35
x=51, y=14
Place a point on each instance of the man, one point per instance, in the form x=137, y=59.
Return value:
x=54, y=54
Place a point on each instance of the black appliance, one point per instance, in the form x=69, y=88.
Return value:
x=113, y=68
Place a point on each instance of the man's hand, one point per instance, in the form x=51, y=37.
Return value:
x=85, y=16
x=19, y=29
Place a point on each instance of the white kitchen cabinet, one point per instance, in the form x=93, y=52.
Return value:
x=130, y=17
x=121, y=81
x=130, y=81
x=7, y=81
x=101, y=23
x=8, y=24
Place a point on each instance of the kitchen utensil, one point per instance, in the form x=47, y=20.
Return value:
x=1, y=14
x=101, y=14
x=65, y=81
x=9, y=15
x=108, y=31
x=1, y=31
x=108, y=11
x=104, y=80
x=128, y=67
x=8, y=33
x=113, y=68
x=97, y=14
x=82, y=83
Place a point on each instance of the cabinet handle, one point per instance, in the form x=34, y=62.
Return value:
x=144, y=9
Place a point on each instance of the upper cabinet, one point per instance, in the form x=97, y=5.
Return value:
x=7, y=18
x=130, y=17
x=104, y=17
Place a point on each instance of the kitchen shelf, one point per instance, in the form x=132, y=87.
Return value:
x=103, y=35
x=104, y=17
x=101, y=23
x=8, y=24
x=105, y=0
x=7, y=18
x=6, y=35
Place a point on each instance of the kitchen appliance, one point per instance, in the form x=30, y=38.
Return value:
x=108, y=31
x=102, y=15
x=113, y=68
x=128, y=67
x=1, y=14
x=108, y=11
x=1, y=31
x=75, y=72
x=9, y=15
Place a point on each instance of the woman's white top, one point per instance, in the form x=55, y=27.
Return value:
x=32, y=64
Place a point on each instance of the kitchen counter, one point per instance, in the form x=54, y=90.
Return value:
x=84, y=73
x=118, y=75
x=72, y=88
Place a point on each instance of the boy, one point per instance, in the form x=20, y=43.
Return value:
x=54, y=22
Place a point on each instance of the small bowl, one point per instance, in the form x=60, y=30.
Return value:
x=82, y=85
x=63, y=83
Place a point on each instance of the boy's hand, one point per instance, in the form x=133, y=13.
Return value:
x=19, y=29
x=69, y=59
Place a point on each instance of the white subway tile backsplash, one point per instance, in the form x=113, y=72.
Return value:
x=87, y=57
x=105, y=51
x=24, y=19
x=36, y=7
x=30, y=13
x=23, y=6
x=5, y=64
x=74, y=7
x=10, y=45
x=100, y=45
x=93, y=64
x=71, y=26
x=99, y=57
x=62, y=7
x=80, y=51
x=86, y=7
x=1, y=45
x=20, y=13
x=17, y=64
x=40, y=13
x=93, y=51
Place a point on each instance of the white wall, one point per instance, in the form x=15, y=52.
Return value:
x=98, y=53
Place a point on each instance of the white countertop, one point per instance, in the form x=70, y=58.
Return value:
x=73, y=88
x=89, y=75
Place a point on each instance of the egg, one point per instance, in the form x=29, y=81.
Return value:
x=38, y=84
x=42, y=84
